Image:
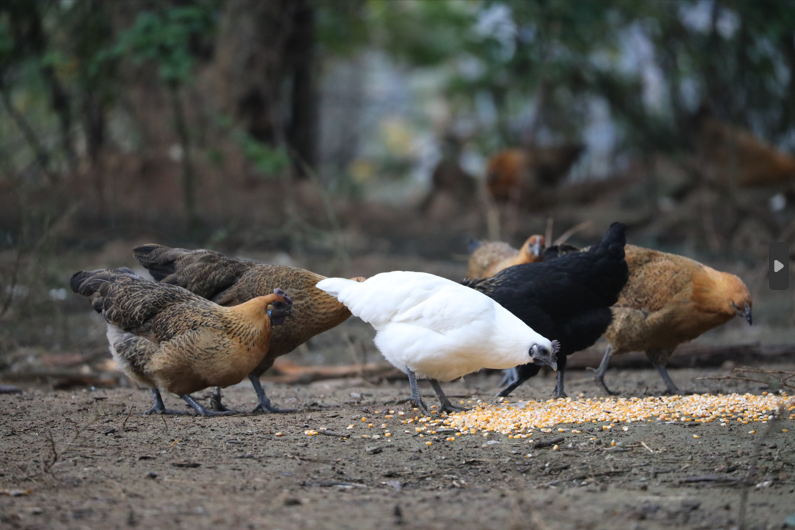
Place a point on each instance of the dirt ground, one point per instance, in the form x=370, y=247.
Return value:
x=91, y=459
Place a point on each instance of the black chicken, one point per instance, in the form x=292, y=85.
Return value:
x=567, y=299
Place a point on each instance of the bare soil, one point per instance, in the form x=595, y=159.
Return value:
x=91, y=459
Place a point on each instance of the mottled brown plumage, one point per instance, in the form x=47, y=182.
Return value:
x=484, y=254
x=230, y=281
x=166, y=337
x=667, y=301
x=491, y=257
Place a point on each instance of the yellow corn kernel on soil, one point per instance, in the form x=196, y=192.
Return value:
x=518, y=418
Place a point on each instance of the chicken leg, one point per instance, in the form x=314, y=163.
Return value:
x=514, y=383
x=659, y=358
x=215, y=401
x=509, y=376
x=203, y=411
x=599, y=378
x=264, y=403
x=559, y=393
x=446, y=405
x=672, y=388
x=159, y=407
x=415, y=392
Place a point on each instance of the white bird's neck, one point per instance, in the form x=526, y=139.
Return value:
x=513, y=339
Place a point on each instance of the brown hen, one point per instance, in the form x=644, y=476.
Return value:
x=166, y=337
x=521, y=173
x=667, y=301
x=490, y=257
x=230, y=281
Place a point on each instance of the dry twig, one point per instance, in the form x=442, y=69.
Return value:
x=782, y=378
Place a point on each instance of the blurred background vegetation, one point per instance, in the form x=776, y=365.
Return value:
x=322, y=132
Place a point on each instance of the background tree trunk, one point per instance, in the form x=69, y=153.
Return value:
x=301, y=60
x=250, y=45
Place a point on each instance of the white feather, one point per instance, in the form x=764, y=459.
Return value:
x=437, y=328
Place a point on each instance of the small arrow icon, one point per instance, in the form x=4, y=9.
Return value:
x=777, y=265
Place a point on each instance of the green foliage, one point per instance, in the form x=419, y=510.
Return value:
x=269, y=161
x=165, y=38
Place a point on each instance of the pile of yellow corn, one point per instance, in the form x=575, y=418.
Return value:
x=520, y=419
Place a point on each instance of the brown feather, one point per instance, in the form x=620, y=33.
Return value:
x=669, y=300
x=168, y=337
x=230, y=281
x=493, y=256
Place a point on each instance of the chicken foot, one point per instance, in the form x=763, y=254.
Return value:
x=215, y=401
x=415, y=392
x=265, y=403
x=446, y=405
x=599, y=378
x=203, y=411
x=159, y=407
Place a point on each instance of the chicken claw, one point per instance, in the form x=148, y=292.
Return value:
x=160, y=408
x=446, y=405
x=264, y=404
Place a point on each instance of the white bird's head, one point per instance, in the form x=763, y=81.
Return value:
x=542, y=355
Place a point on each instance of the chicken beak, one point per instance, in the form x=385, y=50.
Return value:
x=748, y=314
x=537, y=247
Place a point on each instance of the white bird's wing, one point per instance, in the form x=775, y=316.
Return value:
x=449, y=308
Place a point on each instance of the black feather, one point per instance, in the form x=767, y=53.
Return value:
x=567, y=299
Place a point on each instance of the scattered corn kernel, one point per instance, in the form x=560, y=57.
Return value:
x=696, y=436
x=349, y=427
x=751, y=432
x=364, y=419
x=428, y=443
x=387, y=434
x=450, y=438
x=784, y=430
x=613, y=443
x=279, y=434
x=543, y=415
x=555, y=448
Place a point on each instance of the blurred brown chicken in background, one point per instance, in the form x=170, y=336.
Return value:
x=734, y=155
x=519, y=174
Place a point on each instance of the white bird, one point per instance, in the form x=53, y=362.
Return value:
x=434, y=328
